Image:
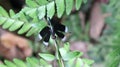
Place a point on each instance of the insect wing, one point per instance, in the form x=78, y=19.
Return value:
x=60, y=27
x=45, y=35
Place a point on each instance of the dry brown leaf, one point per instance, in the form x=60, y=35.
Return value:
x=13, y=46
x=96, y=22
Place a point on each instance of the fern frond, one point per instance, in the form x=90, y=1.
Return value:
x=42, y=8
x=21, y=23
x=29, y=20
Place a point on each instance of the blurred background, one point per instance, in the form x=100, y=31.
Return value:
x=93, y=30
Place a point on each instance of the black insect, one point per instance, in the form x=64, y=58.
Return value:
x=53, y=29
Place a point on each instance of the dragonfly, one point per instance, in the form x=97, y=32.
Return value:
x=53, y=29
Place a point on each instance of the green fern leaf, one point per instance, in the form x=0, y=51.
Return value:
x=42, y=2
x=32, y=30
x=8, y=23
x=9, y=64
x=78, y=4
x=69, y=6
x=31, y=12
x=31, y=3
x=2, y=20
x=16, y=25
x=19, y=63
x=41, y=12
x=47, y=57
x=3, y=12
x=35, y=19
x=25, y=28
x=34, y=59
x=31, y=62
x=50, y=9
x=60, y=7
x=36, y=28
x=12, y=13
x=23, y=17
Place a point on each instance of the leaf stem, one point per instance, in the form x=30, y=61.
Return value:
x=59, y=58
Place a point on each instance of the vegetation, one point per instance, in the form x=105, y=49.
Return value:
x=32, y=19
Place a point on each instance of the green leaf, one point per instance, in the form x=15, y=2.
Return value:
x=79, y=63
x=25, y=28
x=16, y=25
x=72, y=55
x=42, y=2
x=41, y=24
x=2, y=65
x=43, y=62
x=23, y=17
x=69, y=6
x=60, y=7
x=3, y=12
x=10, y=64
x=87, y=61
x=8, y=23
x=70, y=63
x=50, y=9
x=34, y=59
x=16, y=16
x=12, y=13
x=63, y=52
x=35, y=19
x=41, y=12
x=47, y=57
x=67, y=46
x=31, y=3
x=32, y=63
x=2, y=20
x=31, y=12
x=34, y=29
x=78, y=4
x=19, y=63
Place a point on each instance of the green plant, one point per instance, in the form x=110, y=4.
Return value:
x=112, y=34
x=69, y=59
x=31, y=20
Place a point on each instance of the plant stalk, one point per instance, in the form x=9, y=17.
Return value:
x=59, y=58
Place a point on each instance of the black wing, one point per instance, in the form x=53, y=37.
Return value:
x=61, y=35
x=60, y=27
x=45, y=35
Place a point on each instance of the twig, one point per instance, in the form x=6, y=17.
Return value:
x=59, y=58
